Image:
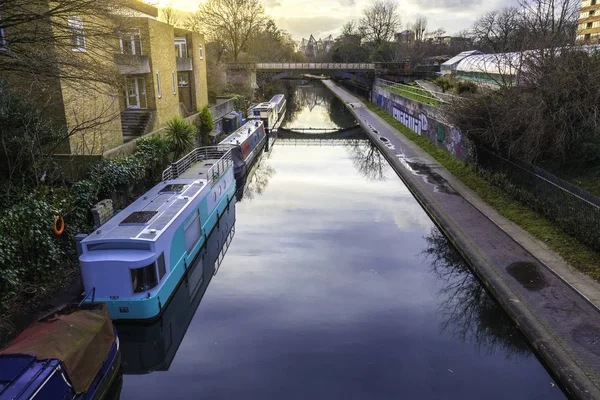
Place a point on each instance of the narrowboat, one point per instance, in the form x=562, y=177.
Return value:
x=70, y=355
x=136, y=260
x=248, y=141
x=153, y=347
x=270, y=112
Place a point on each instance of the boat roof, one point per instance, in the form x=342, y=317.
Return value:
x=264, y=105
x=150, y=215
x=277, y=98
x=243, y=132
x=81, y=340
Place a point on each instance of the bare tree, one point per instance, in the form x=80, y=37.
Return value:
x=419, y=27
x=500, y=31
x=380, y=22
x=350, y=28
x=233, y=21
x=169, y=15
x=550, y=23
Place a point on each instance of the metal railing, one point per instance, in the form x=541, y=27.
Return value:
x=575, y=210
x=224, y=249
x=303, y=66
x=411, y=92
x=220, y=153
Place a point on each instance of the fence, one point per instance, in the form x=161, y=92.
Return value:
x=411, y=92
x=220, y=153
x=572, y=208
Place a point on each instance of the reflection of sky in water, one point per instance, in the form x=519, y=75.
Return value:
x=324, y=294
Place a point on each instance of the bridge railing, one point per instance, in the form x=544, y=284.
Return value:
x=304, y=66
x=413, y=92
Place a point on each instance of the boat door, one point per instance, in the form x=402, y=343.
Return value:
x=136, y=92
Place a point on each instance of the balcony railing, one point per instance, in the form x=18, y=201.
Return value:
x=220, y=153
x=129, y=64
x=184, y=64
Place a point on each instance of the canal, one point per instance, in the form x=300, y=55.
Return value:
x=335, y=285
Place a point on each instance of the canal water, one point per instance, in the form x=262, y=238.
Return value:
x=335, y=285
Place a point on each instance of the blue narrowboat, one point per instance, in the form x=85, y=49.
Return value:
x=270, y=112
x=153, y=347
x=247, y=142
x=136, y=260
x=70, y=355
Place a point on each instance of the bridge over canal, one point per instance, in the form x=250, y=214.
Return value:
x=246, y=73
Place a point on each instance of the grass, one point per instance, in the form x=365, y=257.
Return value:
x=413, y=93
x=572, y=250
x=588, y=180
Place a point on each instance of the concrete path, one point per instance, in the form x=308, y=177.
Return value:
x=557, y=319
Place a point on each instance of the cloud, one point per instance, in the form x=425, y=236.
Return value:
x=347, y=3
x=305, y=26
x=271, y=3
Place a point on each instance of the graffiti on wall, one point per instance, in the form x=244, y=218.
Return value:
x=412, y=115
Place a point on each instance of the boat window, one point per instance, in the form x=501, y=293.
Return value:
x=192, y=231
x=118, y=246
x=144, y=278
x=161, y=266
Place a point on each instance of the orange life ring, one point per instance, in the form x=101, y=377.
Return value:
x=59, y=225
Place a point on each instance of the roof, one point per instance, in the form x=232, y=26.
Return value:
x=81, y=340
x=150, y=215
x=140, y=6
x=497, y=64
x=242, y=133
x=460, y=56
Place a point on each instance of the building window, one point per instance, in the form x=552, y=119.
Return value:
x=162, y=270
x=587, y=36
x=201, y=52
x=77, y=33
x=589, y=25
x=131, y=42
x=593, y=3
x=184, y=79
x=192, y=231
x=181, y=47
x=143, y=279
x=158, y=89
x=592, y=13
x=174, y=82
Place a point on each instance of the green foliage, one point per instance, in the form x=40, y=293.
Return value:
x=205, y=121
x=179, y=136
x=444, y=83
x=466, y=87
x=30, y=252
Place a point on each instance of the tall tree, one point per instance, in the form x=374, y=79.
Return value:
x=233, y=21
x=380, y=22
x=500, y=31
x=169, y=15
x=419, y=27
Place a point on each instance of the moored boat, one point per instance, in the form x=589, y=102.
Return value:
x=248, y=141
x=270, y=112
x=73, y=354
x=153, y=347
x=136, y=260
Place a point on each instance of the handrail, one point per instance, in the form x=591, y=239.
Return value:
x=221, y=152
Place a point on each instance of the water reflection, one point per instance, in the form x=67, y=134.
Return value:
x=312, y=105
x=256, y=181
x=367, y=159
x=469, y=313
x=152, y=347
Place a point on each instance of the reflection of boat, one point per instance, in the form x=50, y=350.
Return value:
x=136, y=260
x=148, y=348
x=70, y=355
x=248, y=141
x=270, y=112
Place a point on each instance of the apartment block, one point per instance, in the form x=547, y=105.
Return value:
x=588, y=28
x=162, y=74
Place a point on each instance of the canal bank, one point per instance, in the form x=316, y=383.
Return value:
x=556, y=319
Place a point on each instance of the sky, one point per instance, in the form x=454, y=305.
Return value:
x=321, y=18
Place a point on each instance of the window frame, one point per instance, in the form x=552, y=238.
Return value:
x=181, y=47
x=158, y=87
x=134, y=35
x=77, y=29
x=174, y=79
x=150, y=275
x=193, y=221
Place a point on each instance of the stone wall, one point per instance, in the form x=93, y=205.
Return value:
x=425, y=119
